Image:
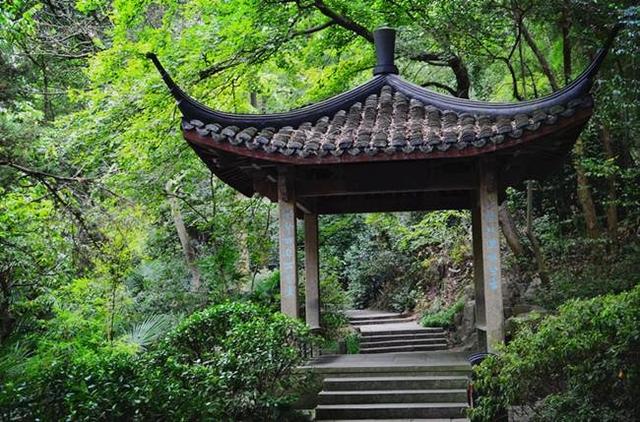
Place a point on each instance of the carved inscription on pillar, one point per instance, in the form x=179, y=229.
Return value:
x=312, y=296
x=287, y=247
x=287, y=251
x=490, y=233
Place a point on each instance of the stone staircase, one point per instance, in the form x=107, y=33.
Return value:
x=411, y=340
x=383, y=318
x=392, y=333
x=415, y=386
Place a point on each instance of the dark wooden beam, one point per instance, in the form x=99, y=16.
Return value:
x=392, y=203
x=376, y=178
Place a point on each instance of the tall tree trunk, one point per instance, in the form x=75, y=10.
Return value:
x=612, y=198
x=535, y=244
x=463, y=82
x=544, y=64
x=7, y=321
x=584, y=193
x=183, y=234
x=565, y=24
x=509, y=230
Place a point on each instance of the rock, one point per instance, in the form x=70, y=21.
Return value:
x=468, y=323
x=470, y=343
x=457, y=319
x=531, y=292
x=515, y=323
x=524, y=308
x=469, y=292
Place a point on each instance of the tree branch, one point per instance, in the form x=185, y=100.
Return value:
x=314, y=29
x=42, y=174
x=544, y=64
x=441, y=86
x=343, y=21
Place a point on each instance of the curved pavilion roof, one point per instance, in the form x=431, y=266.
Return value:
x=385, y=120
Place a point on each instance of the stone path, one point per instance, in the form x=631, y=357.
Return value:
x=387, y=332
x=392, y=386
x=388, y=381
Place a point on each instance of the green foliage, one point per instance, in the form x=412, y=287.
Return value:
x=333, y=302
x=398, y=258
x=352, y=341
x=266, y=289
x=442, y=317
x=232, y=361
x=81, y=386
x=579, y=365
x=149, y=330
x=584, y=270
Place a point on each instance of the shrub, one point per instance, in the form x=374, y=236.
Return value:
x=580, y=278
x=443, y=317
x=82, y=386
x=352, y=341
x=233, y=361
x=333, y=302
x=579, y=365
x=266, y=290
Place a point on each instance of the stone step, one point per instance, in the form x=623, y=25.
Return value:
x=403, y=342
x=380, y=321
x=392, y=396
x=390, y=410
x=391, y=337
x=400, y=420
x=374, y=317
x=422, y=330
x=429, y=382
x=409, y=348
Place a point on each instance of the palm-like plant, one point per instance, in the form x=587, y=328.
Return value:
x=149, y=330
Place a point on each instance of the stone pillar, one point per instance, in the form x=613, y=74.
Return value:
x=287, y=244
x=478, y=274
x=486, y=249
x=312, y=274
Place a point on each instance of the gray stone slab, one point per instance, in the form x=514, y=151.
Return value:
x=426, y=360
x=397, y=326
x=397, y=420
x=370, y=313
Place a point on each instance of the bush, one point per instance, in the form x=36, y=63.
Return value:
x=352, y=341
x=333, y=302
x=443, y=317
x=266, y=290
x=583, y=279
x=582, y=364
x=233, y=361
x=83, y=386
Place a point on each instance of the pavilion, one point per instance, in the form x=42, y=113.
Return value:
x=389, y=145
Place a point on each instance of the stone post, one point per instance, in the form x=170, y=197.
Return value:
x=312, y=275
x=486, y=249
x=287, y=244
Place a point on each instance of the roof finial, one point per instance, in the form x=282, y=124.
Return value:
x=385, y=41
